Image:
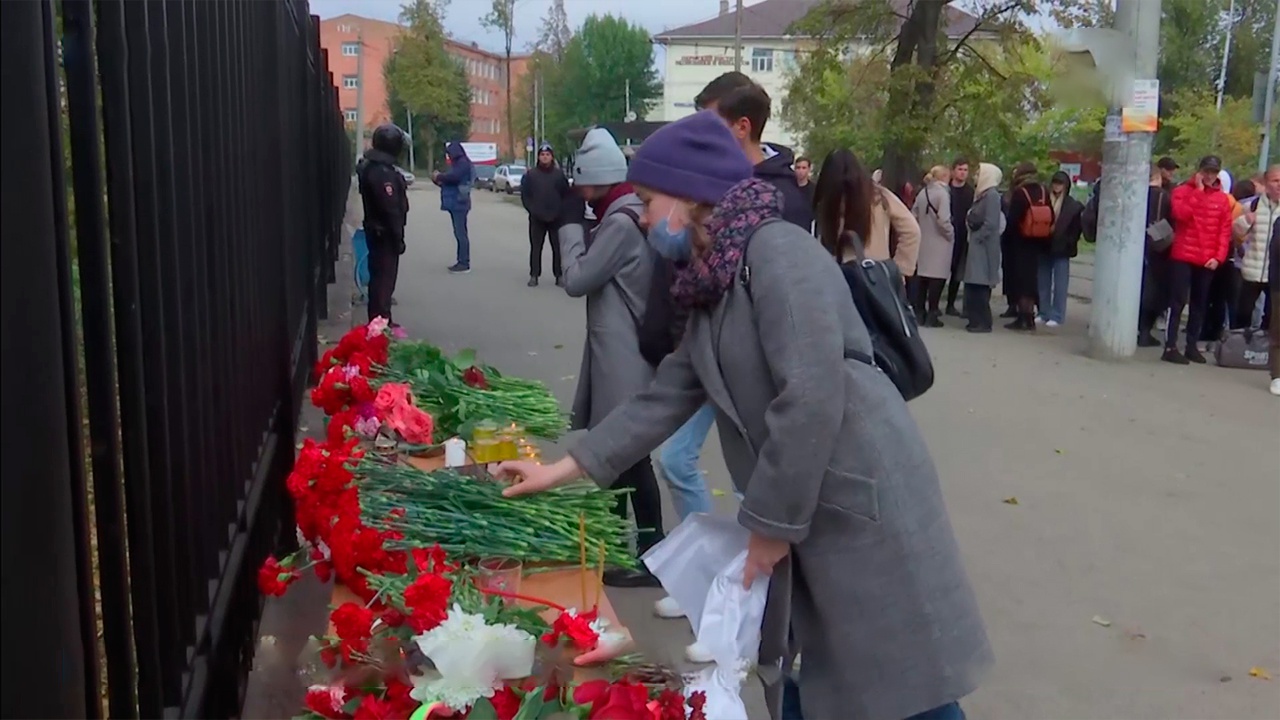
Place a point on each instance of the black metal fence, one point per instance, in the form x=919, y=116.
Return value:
x=160, y=295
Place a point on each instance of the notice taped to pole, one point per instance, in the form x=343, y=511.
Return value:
x=1142, y=114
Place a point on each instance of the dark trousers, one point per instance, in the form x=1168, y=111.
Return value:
x=646, y=503
x=1189, y=288
x=977, y=306
x=791, y=709
x=928, y=295
x=1249, y=294
x=461, y=235
x=1220, y=305
x=959, y=255
x=1155, y=291
x=539, y=230
x=384, y=266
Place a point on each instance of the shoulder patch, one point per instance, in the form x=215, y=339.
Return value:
x=387, y=187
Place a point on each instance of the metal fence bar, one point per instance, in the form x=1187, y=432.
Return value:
x=41, y=473
x=202, y=275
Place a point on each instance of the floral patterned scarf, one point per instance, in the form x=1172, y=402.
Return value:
x=701, y=283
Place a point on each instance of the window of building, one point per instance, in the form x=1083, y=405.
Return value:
x=350, y=82
x=787, y=59
x=762, y=60
x=350, y=49
x=350, y=115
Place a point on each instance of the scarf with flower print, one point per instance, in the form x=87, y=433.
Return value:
x=700, y=283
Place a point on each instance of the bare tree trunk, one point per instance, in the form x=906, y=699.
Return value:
x=918, y=40
x=429, y=131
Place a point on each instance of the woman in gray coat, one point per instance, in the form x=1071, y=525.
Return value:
x=982, y=266
x=839, y=492
x=932, y=209
x=612, y=267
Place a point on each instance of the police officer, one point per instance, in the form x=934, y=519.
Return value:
x=386, y=205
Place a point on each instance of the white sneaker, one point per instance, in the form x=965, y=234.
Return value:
x=667, y=608
x=1275, y=386
x=698, y=653
x=1052, y=323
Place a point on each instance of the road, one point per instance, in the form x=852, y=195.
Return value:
x=1138, y=573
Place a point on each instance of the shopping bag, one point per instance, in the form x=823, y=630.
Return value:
x=701, y=564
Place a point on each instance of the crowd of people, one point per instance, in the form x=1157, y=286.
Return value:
x=710, y=269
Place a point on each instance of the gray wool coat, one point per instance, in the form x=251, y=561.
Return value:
x=614, y=275
x=932, y=209
x=982, y=266
x=828, y=458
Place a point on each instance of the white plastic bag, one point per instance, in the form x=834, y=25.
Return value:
x=701, y=565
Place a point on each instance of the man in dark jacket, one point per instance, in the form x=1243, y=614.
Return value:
x=961, y=201
x=542, y=192
x=455, y=199
x=383, y=193
x=745, y=106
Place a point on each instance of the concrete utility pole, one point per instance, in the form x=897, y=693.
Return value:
x=1226, y=53
x=409, y=119
x=737, y=38
x=1268, y=112
x=359, y=143
x=1122, y=216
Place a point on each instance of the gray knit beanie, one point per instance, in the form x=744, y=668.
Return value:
x=599, y=161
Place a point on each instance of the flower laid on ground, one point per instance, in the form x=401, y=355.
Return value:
x=474, y=377
x=575, y=628
x=274, y=578
x=363, y=347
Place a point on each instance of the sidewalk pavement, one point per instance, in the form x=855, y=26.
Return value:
x=1137, y=576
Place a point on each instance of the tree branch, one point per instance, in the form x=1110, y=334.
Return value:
x=974, y=53
x=982, y=21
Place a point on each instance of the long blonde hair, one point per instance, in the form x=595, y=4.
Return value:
x=938, y=173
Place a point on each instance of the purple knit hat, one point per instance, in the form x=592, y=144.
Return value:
x=695, y=157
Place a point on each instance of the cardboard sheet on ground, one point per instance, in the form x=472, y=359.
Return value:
x=700, y=565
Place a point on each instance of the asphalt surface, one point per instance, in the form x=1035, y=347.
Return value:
x=1120, y=522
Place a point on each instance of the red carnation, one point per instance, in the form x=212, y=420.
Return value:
x=577, y=628
x=428, y=601
x=274, y=578
x=474, y=377
x=697, y=701
x=327, y=702
x=506, y=703
x=622, y=700
x=670, y=705
x=354, y=626
x=371, y=708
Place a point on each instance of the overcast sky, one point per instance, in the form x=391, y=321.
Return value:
x=462, y=18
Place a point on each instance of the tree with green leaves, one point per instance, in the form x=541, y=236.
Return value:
x=424, y=79
x=502, y=17
x=1197, y=129
x=589, y=83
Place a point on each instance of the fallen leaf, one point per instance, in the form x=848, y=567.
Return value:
x=1010, y=501
x=717, y=492
x=558, y=347
x=1225, y=678
x=1099, y=620
x=1058, y=450
x=1260, y=673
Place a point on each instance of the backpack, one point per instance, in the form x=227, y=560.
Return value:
x=656, y=329
x=881, y=300
x=1038, y=221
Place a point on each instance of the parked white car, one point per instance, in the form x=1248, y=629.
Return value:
x=508, y=177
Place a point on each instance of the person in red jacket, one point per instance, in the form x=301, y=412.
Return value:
x=1202, y=234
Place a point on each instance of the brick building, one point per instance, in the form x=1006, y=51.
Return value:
x=345, y=36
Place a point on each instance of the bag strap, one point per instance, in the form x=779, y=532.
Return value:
x=744, y=277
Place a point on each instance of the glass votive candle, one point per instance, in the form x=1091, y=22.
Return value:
x=498, y=574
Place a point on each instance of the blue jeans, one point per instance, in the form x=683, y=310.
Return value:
x=459, y=219
x=791, y=706
x=678, y=459
x=1054, y=272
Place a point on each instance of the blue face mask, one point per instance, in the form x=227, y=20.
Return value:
x=670, y=244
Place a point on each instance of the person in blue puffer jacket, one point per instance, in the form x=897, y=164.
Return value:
x=455, y=199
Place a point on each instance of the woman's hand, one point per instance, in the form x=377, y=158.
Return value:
x=530, y=477
x=762, y=554
x=604, y=652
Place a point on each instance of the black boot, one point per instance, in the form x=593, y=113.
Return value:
x=1018, y=324
x=1011, y=312
x=1171, y=355
x=952, y=311
x=533, y=281
x=933, y=319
